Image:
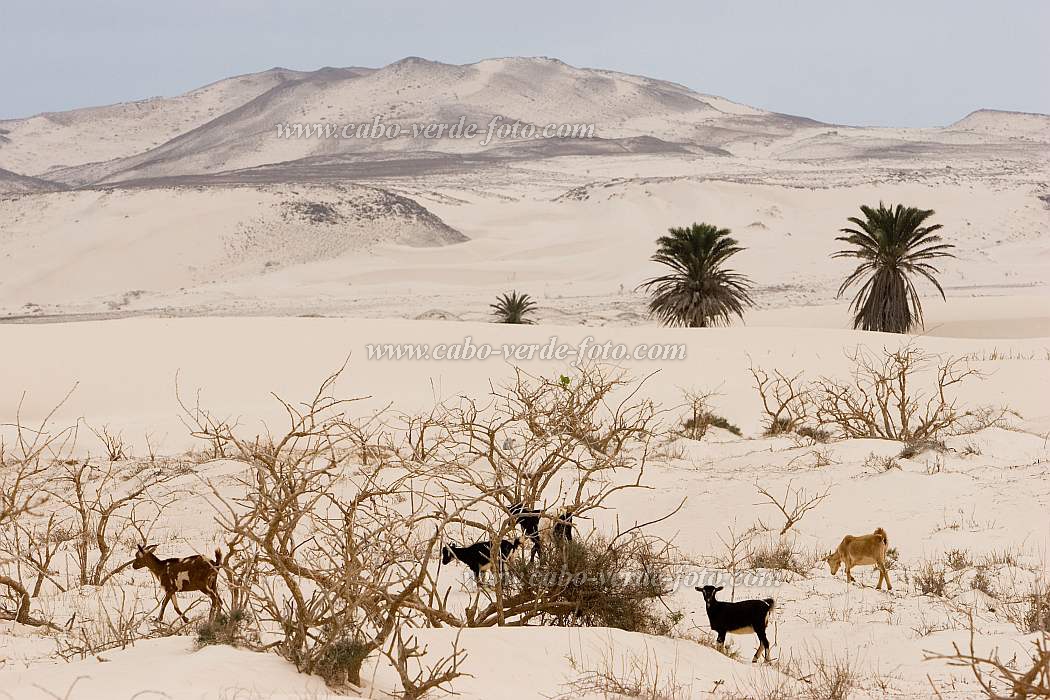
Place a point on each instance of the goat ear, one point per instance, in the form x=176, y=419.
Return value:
x=152, y=547
x=719, y=588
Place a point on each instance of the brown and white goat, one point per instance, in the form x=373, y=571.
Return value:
x=182, y=575
x=864, y=550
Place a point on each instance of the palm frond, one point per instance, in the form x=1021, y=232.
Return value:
x=699, y=291
x=511, y=307
x=892, y=244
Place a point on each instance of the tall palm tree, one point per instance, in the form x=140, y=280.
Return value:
x=698, y=291
x=513, y=308
x=892, y=243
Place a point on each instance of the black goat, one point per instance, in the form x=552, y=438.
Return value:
x=477, y=556
x=563, y=526
x=743, y=617
x=530, y=520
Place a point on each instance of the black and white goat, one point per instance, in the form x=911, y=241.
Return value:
x=478, y=556
x=743, y=617
x=532, y=526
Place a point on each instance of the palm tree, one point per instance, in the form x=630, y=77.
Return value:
x=513, y=308
x=892, y=244
x=699, y=291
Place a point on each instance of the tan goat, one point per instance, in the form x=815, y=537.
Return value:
x=865, y=550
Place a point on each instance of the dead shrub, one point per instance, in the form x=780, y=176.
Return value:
x=701, y=417
x=915, y=448
x=1036, y=614
x=931, y=580
x=599, y=582
x=1013, y=679
x=227, y=627
x=781, y=556
x=958, y=559
x=633, y=676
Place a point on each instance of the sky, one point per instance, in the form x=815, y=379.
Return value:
x=890, y=63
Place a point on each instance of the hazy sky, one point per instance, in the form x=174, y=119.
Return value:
x=914, y=63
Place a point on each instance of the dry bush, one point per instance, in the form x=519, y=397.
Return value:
x=108, y=625
x=23, y=464
x=1036, y=615
x=113, y=443
x=981, y=582
x=958, y=559
x=814, y=434
x=330, y=571
x=1015, y=679
x=228, y=627
x=786, y=400
x=780, y=556
x=700, y=417
x=914, y=448
x=633, y=676
x=907, y=395
x=735, y=554
x=794, y=505
x=931, y=580
x=108, y=510
x=879, y=464
x=332, y=547
x=549, y=444
x=881, y=399
x=598, y=582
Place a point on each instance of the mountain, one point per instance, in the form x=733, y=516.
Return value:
x=45, y=141
x=538, y=91
x=22, y=184
x=1013, y=125
x=228, y=131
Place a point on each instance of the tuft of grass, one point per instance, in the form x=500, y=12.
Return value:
x=341, y=660
x=779, y=556
x=915, y=448
x=981, y=582
x=695, y=427
x=226, y=628
x=881, y=464
x=1036, y=616
x=931, y=580
x=813, y=433
x=778, y=426
x=958, y=559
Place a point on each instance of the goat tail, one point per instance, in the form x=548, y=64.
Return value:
x=218, y=558
x=882, y=533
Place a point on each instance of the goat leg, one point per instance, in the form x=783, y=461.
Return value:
x=175, y=604
x=763, y=644
x=163, y=607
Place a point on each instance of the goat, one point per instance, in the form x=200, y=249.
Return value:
x=530, y=520
x=738, y=618
x=862, y=551
x=478, y=556
x=182, y=575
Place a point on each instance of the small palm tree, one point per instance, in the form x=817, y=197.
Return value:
x=513, y=308
x=699, y=291
x=892, y=244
